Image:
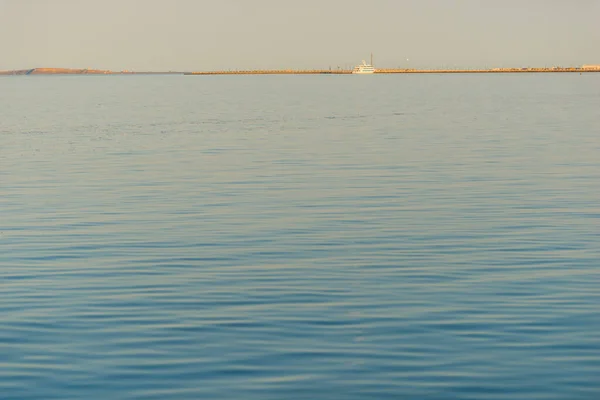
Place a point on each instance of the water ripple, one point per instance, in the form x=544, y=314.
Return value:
x=167, y=237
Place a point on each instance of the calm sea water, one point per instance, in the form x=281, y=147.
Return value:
x=300, y=237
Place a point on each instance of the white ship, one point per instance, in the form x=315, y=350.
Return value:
x=364, y=68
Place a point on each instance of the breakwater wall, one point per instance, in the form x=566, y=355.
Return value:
x=482, y=71
x=396, y=71
x=274, y=72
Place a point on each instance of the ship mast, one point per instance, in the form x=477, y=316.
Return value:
x=371, y=59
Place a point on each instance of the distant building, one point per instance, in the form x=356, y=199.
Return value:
x=591, y=66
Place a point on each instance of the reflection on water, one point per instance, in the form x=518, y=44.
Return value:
x=300, y=237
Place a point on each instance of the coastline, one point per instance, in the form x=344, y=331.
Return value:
x=83, y=71
x=72, y=71
x=398, y=71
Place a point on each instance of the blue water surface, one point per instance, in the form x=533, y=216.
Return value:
x=300, y=237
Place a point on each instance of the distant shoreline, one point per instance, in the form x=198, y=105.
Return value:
x=396, y=71
x=83, y=71
x=71, y=71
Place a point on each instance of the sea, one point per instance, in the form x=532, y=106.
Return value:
x=300, y=237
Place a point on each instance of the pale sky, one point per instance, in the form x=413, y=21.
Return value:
x=197, y=35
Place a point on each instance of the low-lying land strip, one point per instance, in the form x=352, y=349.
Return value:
x=483, y=71
x=78, y=71
x=55, y=71
x=397, y=71
x=71, y=71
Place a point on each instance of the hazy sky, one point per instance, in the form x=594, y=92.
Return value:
x=238, y=34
